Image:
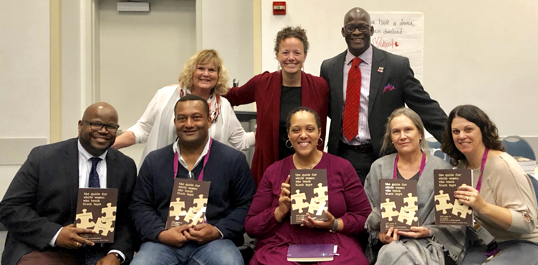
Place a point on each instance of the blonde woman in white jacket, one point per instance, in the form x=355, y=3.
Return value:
x=203, y=75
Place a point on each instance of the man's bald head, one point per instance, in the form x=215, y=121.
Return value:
x=357, y=30
x=96, y=129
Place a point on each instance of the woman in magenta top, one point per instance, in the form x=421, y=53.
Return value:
x=276, y=94
x=268, y=218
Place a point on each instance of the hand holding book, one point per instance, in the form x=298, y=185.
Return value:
x=312, y=223
x=470, y=196
x=416, y=232
x=389, y=236
x=70, y=237
x=284, y=202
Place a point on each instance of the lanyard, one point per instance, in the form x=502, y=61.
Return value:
x=422, y=165
x=484, y=158
x=201, y=176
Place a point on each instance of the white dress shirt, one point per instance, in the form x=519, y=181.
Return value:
x=365, y=66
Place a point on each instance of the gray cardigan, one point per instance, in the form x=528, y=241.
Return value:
x=444, y=238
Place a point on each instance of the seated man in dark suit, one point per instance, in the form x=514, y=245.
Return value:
x=197, y=156
x=39, y=206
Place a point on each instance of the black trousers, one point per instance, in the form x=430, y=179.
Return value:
x=361, y=157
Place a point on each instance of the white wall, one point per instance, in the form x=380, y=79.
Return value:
x=140, y=52
x=226, y=26
x=24, y=78
x=72, y=104
x=474, y=52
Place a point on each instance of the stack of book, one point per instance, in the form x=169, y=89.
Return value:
x=527, y=164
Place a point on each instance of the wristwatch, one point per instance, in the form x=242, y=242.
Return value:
x=118, y=256
x=335, y=226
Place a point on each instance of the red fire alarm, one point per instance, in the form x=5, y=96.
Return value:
x=279, y=8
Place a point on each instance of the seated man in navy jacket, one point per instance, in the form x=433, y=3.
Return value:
x=230, y=194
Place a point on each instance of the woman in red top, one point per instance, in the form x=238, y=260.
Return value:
x=276, y=94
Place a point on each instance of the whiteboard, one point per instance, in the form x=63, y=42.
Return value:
x=475, y=52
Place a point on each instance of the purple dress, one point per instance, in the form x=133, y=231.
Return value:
x=347, y=200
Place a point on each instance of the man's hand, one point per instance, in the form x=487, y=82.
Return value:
x=174, y=236
x=69, y=237
x=202, y=233
x=109, y=259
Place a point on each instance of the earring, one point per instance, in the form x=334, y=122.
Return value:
x=286, y=144
x=278, y=66
x=320, y=144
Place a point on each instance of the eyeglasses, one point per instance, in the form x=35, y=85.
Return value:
x=97, y=126
x=350, y=28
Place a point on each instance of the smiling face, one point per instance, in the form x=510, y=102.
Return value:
x=291, y=55
x=304, y=133
x=205, y=77
x=404, y=135
x=96, y=142
x=357, y=41
x=467, y=136
x=192, y=123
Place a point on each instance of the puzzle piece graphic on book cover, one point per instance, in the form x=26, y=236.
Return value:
x=179, y=209
x=200, y=203
x=109, y=211
x=443, y=202
x=411, y=201
x=194, y=216
x=300, y=201
x=321, y=191
x=317, y=206
x=462, y=209
x=84, y=219
x=408, y=215
x=103, y=226
x=390, y=208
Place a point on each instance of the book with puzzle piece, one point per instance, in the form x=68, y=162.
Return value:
x=309, y=194
x=399, y=204
x=188, y=203
x=96, y=210
x=448, y=211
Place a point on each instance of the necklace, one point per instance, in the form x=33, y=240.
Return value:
x=311, y=165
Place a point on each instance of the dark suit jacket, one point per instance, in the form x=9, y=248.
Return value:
x=407, y=90
x=42, y=198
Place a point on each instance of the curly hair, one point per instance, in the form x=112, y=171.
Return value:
x=205, y=57
x=388, y=147
x=301, y=108
x=289, y=32
x=490, y=135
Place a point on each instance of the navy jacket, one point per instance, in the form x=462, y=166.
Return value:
x=230, y=194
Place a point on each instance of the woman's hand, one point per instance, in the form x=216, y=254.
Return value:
x=329, y=224
x=471, y=197
x=389, y=236
x=416, y=232
x=284, y=202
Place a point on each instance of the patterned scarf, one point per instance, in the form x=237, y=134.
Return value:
x=213, y=101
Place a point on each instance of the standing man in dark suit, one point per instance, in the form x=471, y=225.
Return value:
x=366, y=84
x=39, y=206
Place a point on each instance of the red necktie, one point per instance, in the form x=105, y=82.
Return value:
x=353, y=101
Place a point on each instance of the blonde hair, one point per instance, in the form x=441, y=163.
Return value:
x=205, y=57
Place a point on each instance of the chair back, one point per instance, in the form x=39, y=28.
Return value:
x=435, y=149
x=517, y=146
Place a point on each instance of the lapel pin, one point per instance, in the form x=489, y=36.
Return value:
x=380, y=69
